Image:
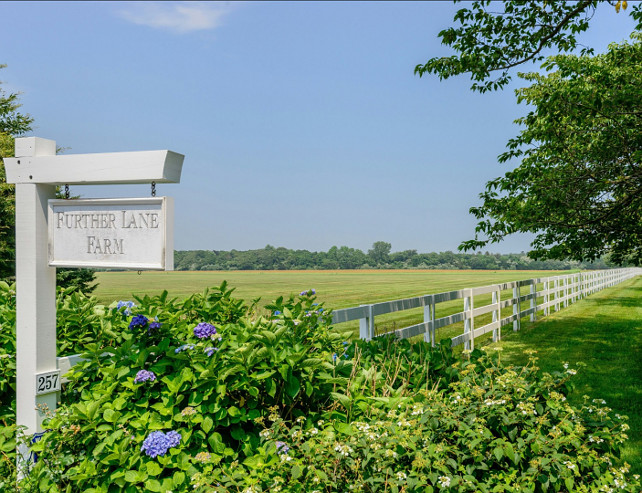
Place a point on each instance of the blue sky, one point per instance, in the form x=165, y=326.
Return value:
x=302, y=123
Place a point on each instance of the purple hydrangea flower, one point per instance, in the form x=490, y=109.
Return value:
x=138, y=321
x=183, y=348
x=309, y=292
x=282, y=448
x=154, y=326
x=144, y=376
x=204, y=330
x=158, y=443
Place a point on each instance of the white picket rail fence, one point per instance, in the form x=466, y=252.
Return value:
x=558, y=292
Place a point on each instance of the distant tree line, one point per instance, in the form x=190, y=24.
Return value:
x=378, y=257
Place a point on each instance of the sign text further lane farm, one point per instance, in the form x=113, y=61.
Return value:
x=132, y=233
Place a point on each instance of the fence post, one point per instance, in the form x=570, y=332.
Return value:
x=580, y=287
x=516, y=307
x=433, y=312
x=469, y=323
x=534, y=300
x=429, y=317
x=566, y=291
x=557, y=294
x=497, y=315
x=366, y=325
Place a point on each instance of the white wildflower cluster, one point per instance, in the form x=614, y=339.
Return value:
x=490, y=402
x=368, y=431
x=391, y=453
x=599, y=401
x=265, y=434
x=313, y=431
x=344, y=450
x=594, y=439
x=527, y=408
x=403, y=422
x=444, y=481
x=417, y=410
x=401, y=476
x=570, y=465
x=570, y=371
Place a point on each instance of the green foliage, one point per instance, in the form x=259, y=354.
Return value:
x=76, y=279
x=379, y=257
x=283, y=402
x=495, y=37
x=12, y=124
x=496, y=429
x=578, y=184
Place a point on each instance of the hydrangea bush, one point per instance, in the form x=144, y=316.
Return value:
x=206, y=395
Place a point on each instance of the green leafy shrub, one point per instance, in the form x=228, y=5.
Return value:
x=205, y=395
x=175, y=371
x=496, y=429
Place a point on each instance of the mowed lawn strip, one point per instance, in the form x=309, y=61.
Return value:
x=605, y=332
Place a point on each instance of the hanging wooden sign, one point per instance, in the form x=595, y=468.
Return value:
x=134, y=233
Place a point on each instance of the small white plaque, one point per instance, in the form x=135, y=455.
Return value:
x=48, y=382
x=118, y=233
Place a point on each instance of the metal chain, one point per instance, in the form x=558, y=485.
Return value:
x=153, y=189
x=66, y=191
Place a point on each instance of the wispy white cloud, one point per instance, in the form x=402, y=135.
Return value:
x=178, y=17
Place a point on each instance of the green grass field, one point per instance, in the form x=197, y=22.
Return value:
x=336, y=289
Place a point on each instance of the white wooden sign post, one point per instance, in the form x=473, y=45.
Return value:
x=75, y=233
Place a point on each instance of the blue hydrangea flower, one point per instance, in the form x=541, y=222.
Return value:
x=158, y=443
x=282, y=448
x=183, y=348
x=210, y=350
x=204, y=330
x=173, y=438
x=138, y=321
x=277, y=312
x=127, y=305
x=154, y=326
x=309, y=292
x=144, y=376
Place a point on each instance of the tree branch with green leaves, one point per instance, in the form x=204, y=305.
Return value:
x=489, y=42
x=578, y=186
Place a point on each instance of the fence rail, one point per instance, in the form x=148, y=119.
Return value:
x=544, y=294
